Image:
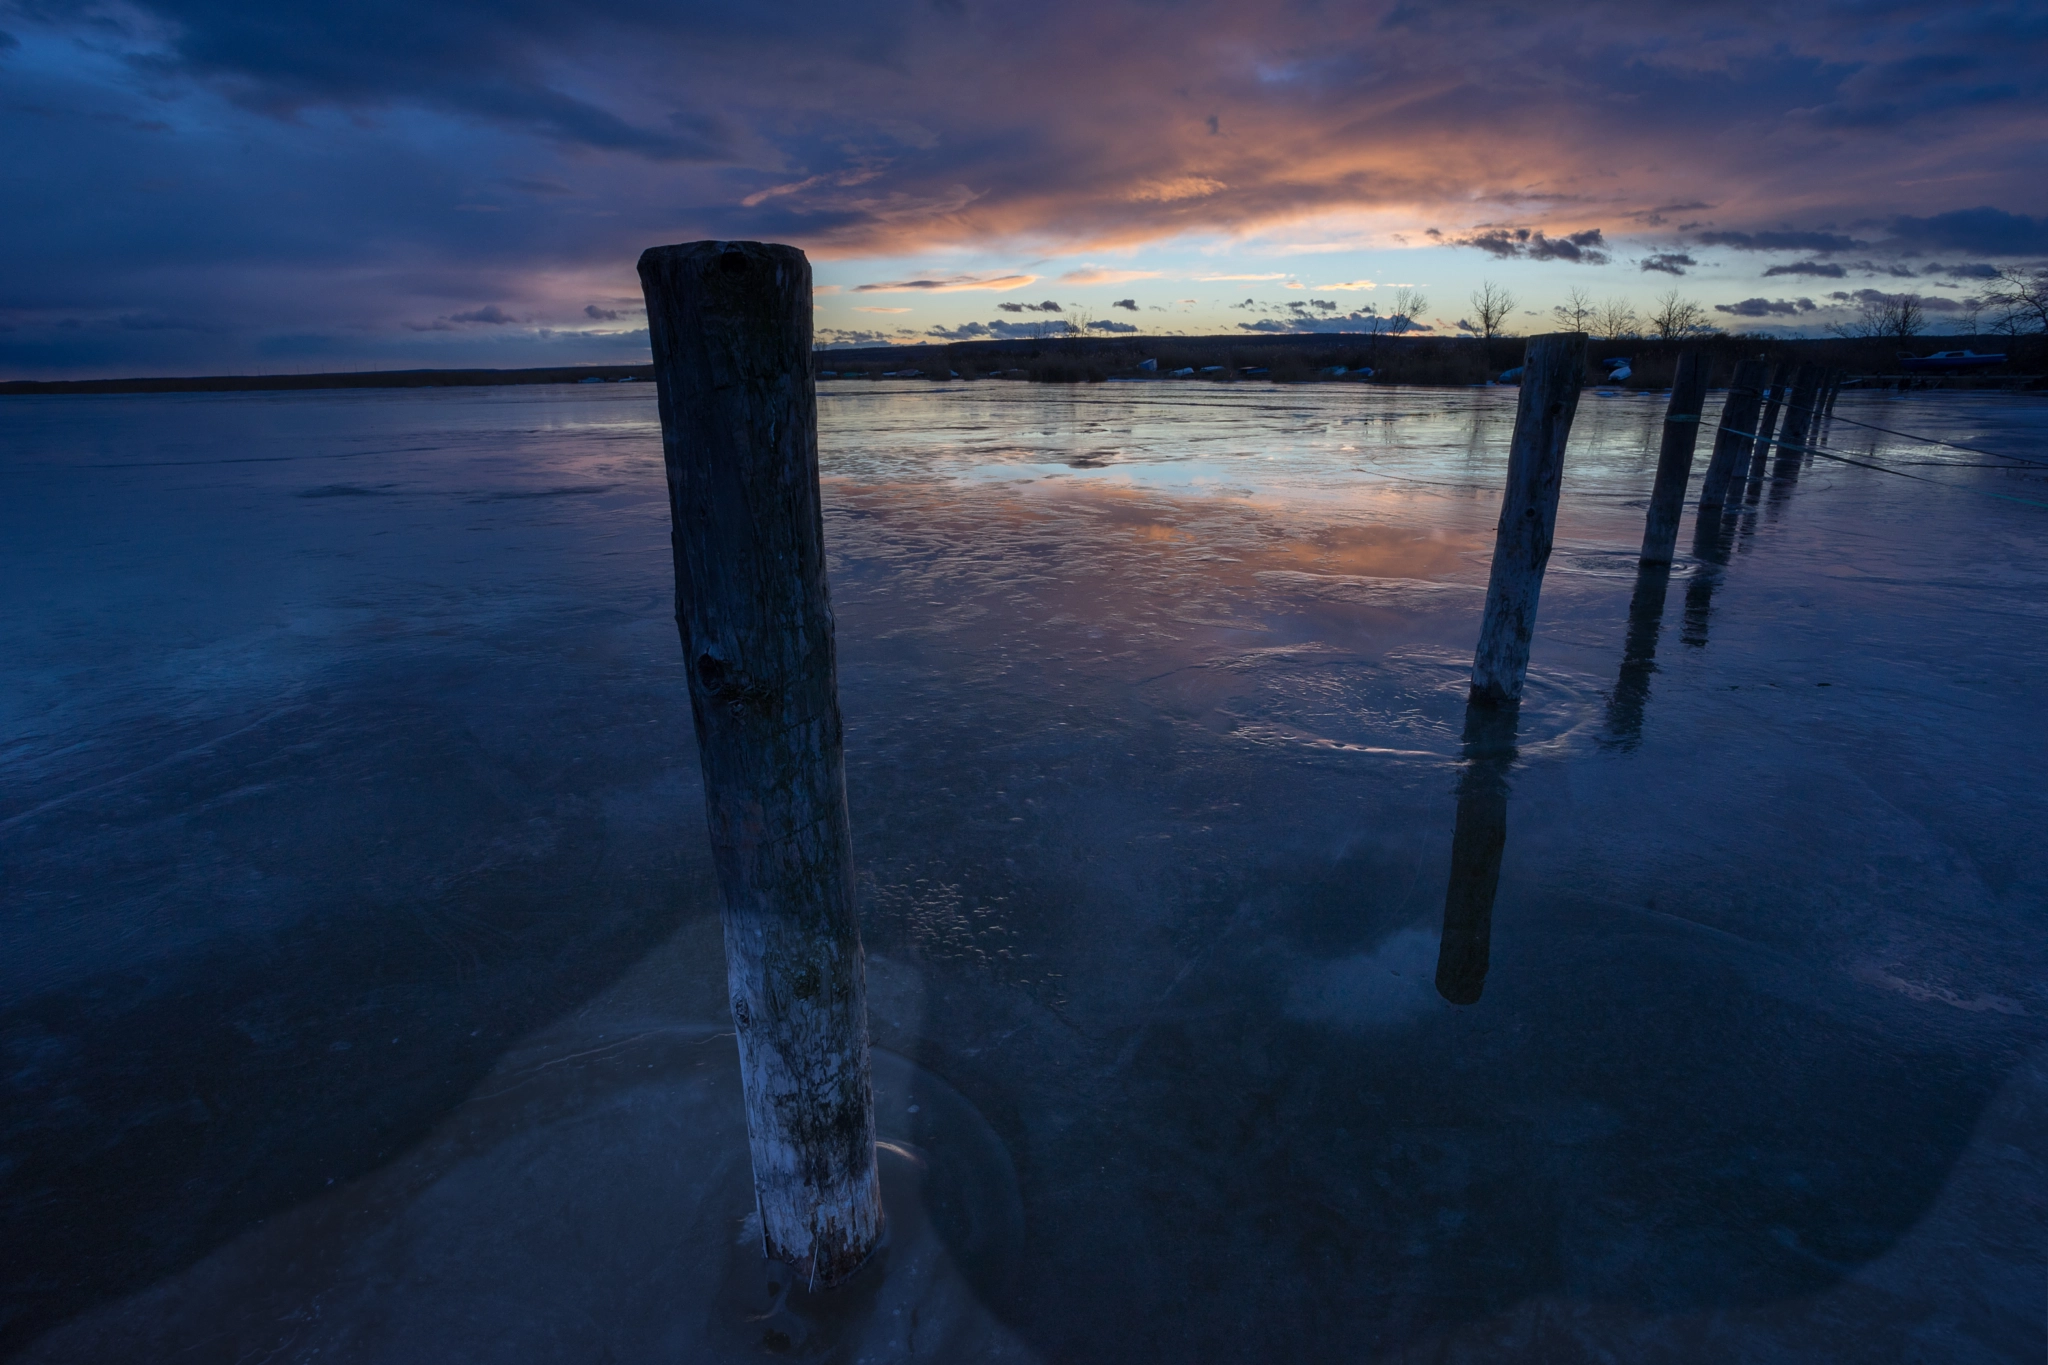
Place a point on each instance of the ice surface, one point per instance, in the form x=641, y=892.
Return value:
x=347, y=762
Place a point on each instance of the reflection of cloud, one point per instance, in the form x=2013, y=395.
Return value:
x=948, y=284
x=864, y=309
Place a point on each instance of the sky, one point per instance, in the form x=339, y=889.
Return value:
x=224, y=186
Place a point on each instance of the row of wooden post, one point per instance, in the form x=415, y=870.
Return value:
x=1551, y=376
x=730, y=327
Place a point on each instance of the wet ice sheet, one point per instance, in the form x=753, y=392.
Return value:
x=346, y=746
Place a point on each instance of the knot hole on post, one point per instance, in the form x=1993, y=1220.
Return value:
x=710, y=671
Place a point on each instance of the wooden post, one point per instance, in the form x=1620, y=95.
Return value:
x=730, y=324
x=1552, y=369
x=1732, y=442
x=1799, y=414
x=1477, y=842
x=1674, y=458
x=1834, y=392
x=1768, y=423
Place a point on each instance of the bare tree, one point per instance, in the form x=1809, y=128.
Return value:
x=1973, y=316
x=1615, y=320
x=1675, y=317
x=1899, y=317
x=1408, y=303
x=2021, y=296
x=1491, y=305
x=1577, y=312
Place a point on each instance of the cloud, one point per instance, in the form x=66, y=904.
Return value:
x=948, y=284
x=591, y=310
x=1670, y=262
x=328, y=145
x=1177, y=188
x=1826, y=270
x=819, y=291
x=1764, y=308
x=1214, y=278
x=490, y=314
x=1933, y=303
x=1982, y=231
x=861, y=309
x=1131, y=304
x=1107, y=325
x=1349, y=284
x=1820, y=242
x=1046, y=307
x=997, y=330
x=1094, y=275
x=1581, y=248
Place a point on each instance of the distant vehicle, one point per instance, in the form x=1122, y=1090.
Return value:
x=591, y=379
x=1513, y=376
x=1253, y=369
x=1619, y=368
x=1185, y=369
x=629, y=379
x=1951, y=360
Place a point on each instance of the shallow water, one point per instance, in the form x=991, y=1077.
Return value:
x=347, y=769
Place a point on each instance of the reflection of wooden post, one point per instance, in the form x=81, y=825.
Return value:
x=1638, y=654
x=1732, y=442
x=1674, y=458
x=730, y=324
x=1476, y=845
x=1552, y=369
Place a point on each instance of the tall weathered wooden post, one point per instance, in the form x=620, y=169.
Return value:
x=1553, y=367
x=730, y=324
x=1674, y=458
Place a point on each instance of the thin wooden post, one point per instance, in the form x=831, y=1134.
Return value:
x=1802, y=409
x=1834, y=392
x=1674, y=458
x=730, y=324
x=1477, y=842
x=1732, y=441
x=1552, y=369
x=1768, y=423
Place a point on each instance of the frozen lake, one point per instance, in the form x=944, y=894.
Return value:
x=347, y=789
